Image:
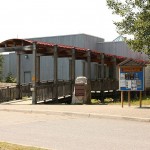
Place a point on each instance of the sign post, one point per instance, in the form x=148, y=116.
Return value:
x=131, y=78
x=129, y=98
x=122, y=99
x=140, y=99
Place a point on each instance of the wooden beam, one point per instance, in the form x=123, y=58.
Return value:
x=17, y=48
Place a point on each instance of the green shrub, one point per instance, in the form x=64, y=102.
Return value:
x=10, y=78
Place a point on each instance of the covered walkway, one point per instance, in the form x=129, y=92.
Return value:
x=43, y=91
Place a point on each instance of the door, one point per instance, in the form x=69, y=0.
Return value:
x=27, y=76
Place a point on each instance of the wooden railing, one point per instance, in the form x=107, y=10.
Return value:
x=11, y=93
x=104, y=85
x=46, y=90
x=7, y=94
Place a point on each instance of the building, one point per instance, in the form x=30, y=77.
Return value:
x=118, y=48
x=53, y=63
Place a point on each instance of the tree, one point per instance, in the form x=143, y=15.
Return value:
x=135, y=20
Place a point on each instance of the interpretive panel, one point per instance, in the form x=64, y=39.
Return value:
x=80, y=89
x=131, y=78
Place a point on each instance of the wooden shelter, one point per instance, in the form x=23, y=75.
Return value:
x=53, y=89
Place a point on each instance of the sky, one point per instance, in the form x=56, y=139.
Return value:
x=41, y=18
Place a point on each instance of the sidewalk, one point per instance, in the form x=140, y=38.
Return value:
x=92, y=111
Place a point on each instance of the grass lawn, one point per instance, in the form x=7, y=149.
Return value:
x=8, y=146
x=134, y=102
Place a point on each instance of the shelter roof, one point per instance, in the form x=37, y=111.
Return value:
x=46, y=48
x=133, y=62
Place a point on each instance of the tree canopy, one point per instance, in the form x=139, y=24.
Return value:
x=135, y=20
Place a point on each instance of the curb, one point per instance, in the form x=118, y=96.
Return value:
x=78, y=114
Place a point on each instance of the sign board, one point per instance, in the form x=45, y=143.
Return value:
x=131, y=78
x=80, y=89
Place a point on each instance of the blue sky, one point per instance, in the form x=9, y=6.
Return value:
x=39, y=18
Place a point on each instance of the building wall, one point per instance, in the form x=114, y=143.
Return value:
x=46, y=66
x=121, y=49
x=77, y=40
x=9, y=65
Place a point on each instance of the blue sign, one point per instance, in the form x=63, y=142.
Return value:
x=131, y=78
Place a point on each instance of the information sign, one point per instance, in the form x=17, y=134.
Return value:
x=131, y=78
x=80, y=89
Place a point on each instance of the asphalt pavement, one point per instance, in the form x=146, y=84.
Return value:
x=56, y=132
x=89, y=111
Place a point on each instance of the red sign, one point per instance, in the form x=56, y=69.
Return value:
x=79, y=90
x=131, y=69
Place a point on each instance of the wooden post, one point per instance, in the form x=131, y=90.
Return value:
x=114, y=75
x=140, y=99
x=83, y=71
x=114, y=67
x=102, y=66
x=55, y=74
x=34, y=74
x=18, y=75
x=129, y=98
x=102, y=96
x=38, y=69
x=102, y=76
x=73, y=69
x=122, y=99
x=96, y=66
x=88, y=77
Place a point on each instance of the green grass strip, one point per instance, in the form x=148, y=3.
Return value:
x=8, y=146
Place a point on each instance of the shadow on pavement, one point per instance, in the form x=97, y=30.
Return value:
x=145, y=107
